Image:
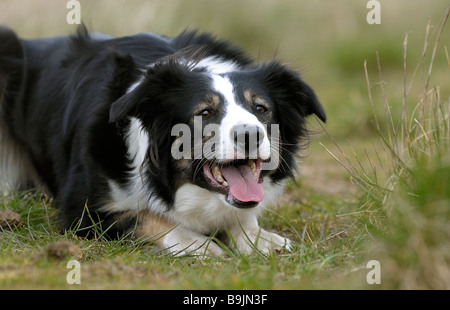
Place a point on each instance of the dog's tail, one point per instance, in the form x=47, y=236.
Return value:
x=11, y=66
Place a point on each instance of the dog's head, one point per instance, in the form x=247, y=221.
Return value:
x=222, y=127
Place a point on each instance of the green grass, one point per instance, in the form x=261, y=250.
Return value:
x=381, y=200
x=410, y=192
x=323, y=244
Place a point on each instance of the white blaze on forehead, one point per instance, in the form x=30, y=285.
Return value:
x=215, y=65
x=235, y=115
x=223, y=86
x=211, y=64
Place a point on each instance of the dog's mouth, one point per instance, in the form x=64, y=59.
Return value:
x=239, y=180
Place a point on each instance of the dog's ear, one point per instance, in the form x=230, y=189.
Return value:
x=124, y=73
x=166, y=76
x=124, y=106
x=288, y=88
x=311, y=102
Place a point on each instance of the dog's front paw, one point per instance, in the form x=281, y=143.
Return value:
x=180, y=242
x=260, y=240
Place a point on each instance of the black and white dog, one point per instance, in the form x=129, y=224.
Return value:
x=169, y=139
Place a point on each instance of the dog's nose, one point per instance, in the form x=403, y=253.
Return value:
x=247, y=135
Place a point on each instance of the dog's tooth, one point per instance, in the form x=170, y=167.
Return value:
x=225, y=183
x=252, y=165
x=216, y=171
x=217, y=174
x=220, y=179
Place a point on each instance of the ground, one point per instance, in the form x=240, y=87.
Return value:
x=324, y=211
x=312, y=213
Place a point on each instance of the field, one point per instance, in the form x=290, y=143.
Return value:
x=374, y=183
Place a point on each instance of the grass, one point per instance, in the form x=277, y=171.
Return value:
x=322, y=242
x=375, y=197
x=409, y=191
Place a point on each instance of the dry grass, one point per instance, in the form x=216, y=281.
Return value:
x=402, y=217
x=408, y=190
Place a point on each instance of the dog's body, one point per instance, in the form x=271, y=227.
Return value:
x=90, y=120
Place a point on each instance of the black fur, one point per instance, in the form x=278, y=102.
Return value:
x=64, y=101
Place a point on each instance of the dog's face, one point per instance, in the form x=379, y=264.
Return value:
x=223, y=128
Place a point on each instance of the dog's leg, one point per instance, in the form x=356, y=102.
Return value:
x=248, y=236
x=174, y=238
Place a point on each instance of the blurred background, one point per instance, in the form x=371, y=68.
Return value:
x=327, y=41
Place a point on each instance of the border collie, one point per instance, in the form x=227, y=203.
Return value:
x=171, y=140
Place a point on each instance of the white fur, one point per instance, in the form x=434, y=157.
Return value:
x=181, y=241
x=215, y=65
x=137, y=195
x=200, y=212
x=236, y=115
x=138, y=141
x=203, y=211
x=16, y=170
x=134, y=85
x=212, y=64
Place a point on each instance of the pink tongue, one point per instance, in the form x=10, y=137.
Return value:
x=243, y=185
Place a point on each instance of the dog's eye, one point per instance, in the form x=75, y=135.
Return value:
x=261, y=108
x=204, y=113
